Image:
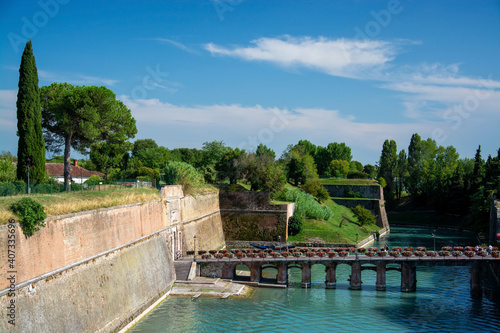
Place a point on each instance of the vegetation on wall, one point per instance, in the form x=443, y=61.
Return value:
x=31, y=215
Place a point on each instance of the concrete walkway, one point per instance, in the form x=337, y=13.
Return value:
x=202, y=286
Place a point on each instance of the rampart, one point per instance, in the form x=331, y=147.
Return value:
x=249, y=216
x=370, y=197
x=365, y=191
x=95, y=271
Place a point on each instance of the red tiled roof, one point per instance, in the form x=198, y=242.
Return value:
x=57, y=169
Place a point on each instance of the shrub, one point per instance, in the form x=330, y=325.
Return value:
x=180, y=173
x=352, y=194
x=305, y=204
x=93, y=179
x=382, y=181
x=357, y=175
x=364, y=215
x=31, y=215
x=316, y=189
x=294, y=225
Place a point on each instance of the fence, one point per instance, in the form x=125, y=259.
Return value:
x=20, y=187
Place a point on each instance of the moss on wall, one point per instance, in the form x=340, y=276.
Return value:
x=254, y=226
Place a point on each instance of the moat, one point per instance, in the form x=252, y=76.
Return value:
x=442, y=302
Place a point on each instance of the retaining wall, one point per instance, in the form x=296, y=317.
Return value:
x=70, y=238
x=101, y=295
x=249, y=216
x=366, y=191
x=97, y=270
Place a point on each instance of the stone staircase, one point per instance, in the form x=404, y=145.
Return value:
x=182, y=268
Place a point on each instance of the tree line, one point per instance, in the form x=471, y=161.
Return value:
x=436, y=177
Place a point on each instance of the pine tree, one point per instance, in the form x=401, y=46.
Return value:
x=31, y=145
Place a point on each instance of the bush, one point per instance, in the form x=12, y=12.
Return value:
x=180, y=173
x=305, y=204
x=357, y=175
x=93, y=179
x=352, y=194
x=364, y=215
x=294, y=225
x=31, y=215
x=382, y=181
x=316, y=189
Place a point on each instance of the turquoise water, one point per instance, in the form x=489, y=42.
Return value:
x=442, y=302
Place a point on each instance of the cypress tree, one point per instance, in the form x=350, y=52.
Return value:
x=31, y=145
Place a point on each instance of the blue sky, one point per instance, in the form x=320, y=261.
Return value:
x=272, y=72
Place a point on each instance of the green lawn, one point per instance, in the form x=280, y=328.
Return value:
x=330, y=231
x=342, y=181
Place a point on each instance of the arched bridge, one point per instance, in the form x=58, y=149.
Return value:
x=226, y=268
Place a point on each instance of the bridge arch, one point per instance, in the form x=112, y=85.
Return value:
x=242, y=272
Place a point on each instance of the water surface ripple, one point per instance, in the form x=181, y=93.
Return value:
x=442, y=302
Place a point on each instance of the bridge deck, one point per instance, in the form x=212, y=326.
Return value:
x=362, y=259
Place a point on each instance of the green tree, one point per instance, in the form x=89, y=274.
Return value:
x=80, y=117
x=264, y=150
x=142, y=144
x=309, y=148
x=262, y=172
x=333, y=151
x=31, y=146
x=478, y=173
x=7, y=168
x=300, y=165
x=315, y=188
x=414, y=165
x=212, y=153
x=402, y=172
x=369, y=170
x=364, y=215
x=388, y=168
x=339, y=168
x=356, y=166
x=228, y=166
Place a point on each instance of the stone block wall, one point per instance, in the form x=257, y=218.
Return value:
x=70, y=238
x=366, y=191
x=101, y=295
x=250, y=216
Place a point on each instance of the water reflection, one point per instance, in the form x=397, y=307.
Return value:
x=442, y=302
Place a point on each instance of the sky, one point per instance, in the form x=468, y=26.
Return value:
x=271, y=72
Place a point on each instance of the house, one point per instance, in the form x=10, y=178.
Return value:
x=78, y=174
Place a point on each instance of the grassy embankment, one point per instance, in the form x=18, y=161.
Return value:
x=72, y=202
x=341, y=227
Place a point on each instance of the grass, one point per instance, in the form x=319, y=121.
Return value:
x=329, y=231
x=72, y=202
x=343, y=181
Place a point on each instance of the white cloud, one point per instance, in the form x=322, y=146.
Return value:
x=246, y=126
x=337, y=57
x=8, y=100
x=178, y=45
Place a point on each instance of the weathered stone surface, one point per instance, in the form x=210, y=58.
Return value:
x=97, y=296
x=70, y=238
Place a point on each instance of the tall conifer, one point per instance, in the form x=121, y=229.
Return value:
x=31, y=145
